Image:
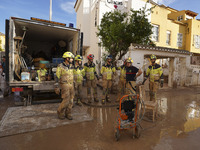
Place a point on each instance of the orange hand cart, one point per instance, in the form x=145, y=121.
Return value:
x=130, y=113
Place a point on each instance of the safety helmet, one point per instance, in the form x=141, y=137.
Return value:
x=78, y=57
x=153, y=57
x=109, y=57
x=90, y=56
x=68, y=55
x=129, y=60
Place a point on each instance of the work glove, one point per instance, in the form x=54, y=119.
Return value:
x=161, y=82
x=57, y=88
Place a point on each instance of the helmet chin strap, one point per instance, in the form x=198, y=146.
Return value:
x=153, y=62
x=90, y=60
x=67, y=60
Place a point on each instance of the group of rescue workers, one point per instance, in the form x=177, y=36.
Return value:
x=71, y=78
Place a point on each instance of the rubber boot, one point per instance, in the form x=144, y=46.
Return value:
x=68, y=114
x=61, y=115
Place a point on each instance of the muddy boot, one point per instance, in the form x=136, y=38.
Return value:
x=103, y=101
x=79, y=102
x=96, y=100
x=61, y=115
x=68, y=114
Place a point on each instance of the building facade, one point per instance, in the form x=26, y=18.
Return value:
x=2, y=39
x=172, y=30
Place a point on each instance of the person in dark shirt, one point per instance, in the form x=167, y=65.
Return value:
x=132, y=73
x=3, y=65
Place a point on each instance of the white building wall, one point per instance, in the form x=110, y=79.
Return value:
x=86, y=12
x=83, y=19
x=137, y=4
x=141, y=63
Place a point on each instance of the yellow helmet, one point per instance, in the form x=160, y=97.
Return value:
x=68, y=55
x=153, y=57
x=129, y=60
x=78, y=57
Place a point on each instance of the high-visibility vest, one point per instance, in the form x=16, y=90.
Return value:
x=122, y=75
x=65, y=73
x=107, y=71
x=79, y=72
x=155, y=72
x=41, y=74
x=90, y=71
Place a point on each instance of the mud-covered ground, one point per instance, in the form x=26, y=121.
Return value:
x=177, y=127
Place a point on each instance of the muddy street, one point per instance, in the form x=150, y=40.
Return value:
x=177, y=126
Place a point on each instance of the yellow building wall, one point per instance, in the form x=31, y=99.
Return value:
x=159, y=17
x=189, y=35
x=195, y=30
x=174, y=15
x=2, y=45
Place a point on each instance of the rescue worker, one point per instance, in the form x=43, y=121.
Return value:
x=122, y=81
x=107, y=71
x=90, y=73
x=156, y=75
x=79, y=73
x=132, y=73
x=64, y=73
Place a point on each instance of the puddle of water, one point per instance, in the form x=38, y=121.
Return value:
x=192, y=117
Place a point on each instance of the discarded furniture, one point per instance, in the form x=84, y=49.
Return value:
x=149, y=105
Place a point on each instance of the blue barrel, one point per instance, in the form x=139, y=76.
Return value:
x=71, y=25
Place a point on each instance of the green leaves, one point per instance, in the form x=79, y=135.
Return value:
x=118, y=30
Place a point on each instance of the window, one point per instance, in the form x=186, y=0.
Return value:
x=197, y=41
x=179, y=39
x=155, y=34
x=168, y=40
x=180, y=18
